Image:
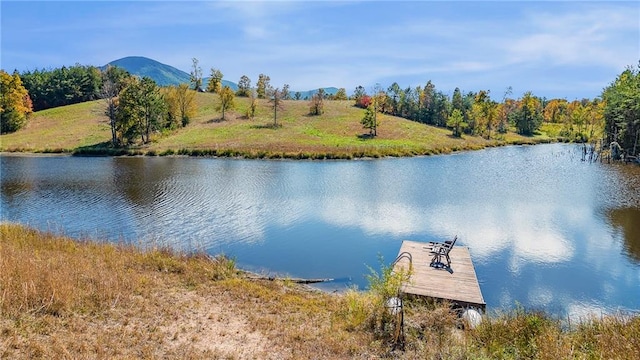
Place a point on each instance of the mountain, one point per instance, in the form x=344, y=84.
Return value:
x=165, y=75
x=162, y=74
x=309, y=93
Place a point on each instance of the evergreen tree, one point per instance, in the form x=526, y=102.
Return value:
x=527, y=117
x=622, y=110
x=370, y=120
x=456, y=122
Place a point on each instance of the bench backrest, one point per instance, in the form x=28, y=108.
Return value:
x=448, y=246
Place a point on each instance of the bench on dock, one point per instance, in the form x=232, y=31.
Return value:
x=457, y=284
x=441, y=249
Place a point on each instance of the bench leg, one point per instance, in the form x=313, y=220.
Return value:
x=435, y=260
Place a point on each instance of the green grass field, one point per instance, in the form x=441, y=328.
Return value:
x=83, y=128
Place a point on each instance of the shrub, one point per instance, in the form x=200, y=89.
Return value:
x=364, y=101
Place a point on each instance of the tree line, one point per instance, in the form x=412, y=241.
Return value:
x=139, y=107
x=62, y=86
x=475, y=113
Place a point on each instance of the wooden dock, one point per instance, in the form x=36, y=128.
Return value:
x=457, y=284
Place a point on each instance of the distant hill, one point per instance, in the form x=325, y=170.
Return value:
x=162, y=74
x=165, y=75
x=309, y=93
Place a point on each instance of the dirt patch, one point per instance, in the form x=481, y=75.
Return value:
x=212, y=327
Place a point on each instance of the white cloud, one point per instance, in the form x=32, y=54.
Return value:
x=564, y=49
x=588, y=35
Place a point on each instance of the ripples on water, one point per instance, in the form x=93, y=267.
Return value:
x=544, y=228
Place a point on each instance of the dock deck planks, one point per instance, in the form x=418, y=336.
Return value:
x=459, y=285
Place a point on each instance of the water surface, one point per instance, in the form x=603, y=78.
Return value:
x=545, y=229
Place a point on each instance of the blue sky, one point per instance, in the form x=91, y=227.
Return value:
x=555, y=49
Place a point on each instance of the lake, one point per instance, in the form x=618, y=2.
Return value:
x=545, y=229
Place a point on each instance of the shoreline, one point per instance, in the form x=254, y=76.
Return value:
x=256, y=154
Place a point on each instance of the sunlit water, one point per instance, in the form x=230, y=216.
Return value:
x=545, y=229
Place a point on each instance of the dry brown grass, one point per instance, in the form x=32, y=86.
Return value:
x=66, y=299
x=61, y=298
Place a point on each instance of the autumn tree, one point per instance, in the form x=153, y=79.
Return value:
x=364, y=101
x=393, y=98
x=215, y=81
x=483, y=112
x=341, y=94
x=596, y=118
x=253, y=105
x=181, y=105
x=262, y=86
x=244, y=86
x=277, y=102
x=555, y=110
x=379, y=99
x=358, y=93
x=196, y=75
x=579, y=117
x=316, y=105
x=227, y=100
x=15, y=104
x=286, y=95
x=456, y=122
x=504, y=110
x=110, y=96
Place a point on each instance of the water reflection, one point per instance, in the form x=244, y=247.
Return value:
x=626, y=221
x=544, y=229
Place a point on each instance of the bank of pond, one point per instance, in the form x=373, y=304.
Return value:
x=74, y=297
x=338, y=153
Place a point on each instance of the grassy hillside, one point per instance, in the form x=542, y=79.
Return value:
x=335, y=134
x=64, y=299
